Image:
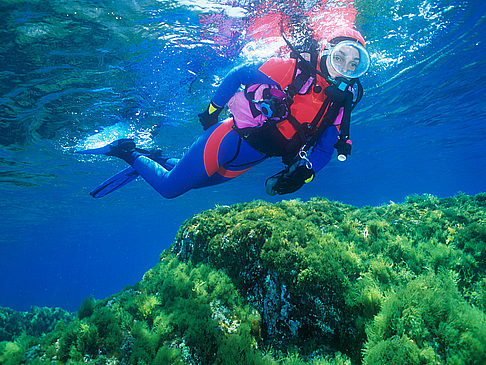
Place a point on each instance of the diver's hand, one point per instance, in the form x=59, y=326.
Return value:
x=209, y=117
x=343, y=147
x=289, y=180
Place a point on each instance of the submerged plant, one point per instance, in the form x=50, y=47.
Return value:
x=427, y=321
x=292, y=283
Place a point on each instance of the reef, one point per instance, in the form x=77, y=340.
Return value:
x=36, y=322
x=315, y=282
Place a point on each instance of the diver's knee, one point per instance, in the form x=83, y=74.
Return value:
x=169, y=194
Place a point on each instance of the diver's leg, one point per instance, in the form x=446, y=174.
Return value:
x=182, y=177
x=203, y=165
x=235, y=156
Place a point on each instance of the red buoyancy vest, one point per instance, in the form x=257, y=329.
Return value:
x=305, y=106
x=275, y=136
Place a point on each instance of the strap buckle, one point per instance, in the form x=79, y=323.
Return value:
x=303, y=156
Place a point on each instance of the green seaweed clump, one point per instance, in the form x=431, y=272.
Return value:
x=314, y=282
x=427, y=322
x=178, y=314
x=321, y=273
x=19, y=331
x=35, y=322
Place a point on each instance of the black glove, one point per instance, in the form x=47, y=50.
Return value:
x=209, y=117
x=289, y=180
x=343, y=147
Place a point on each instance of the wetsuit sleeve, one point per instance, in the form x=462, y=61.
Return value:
x=241, y=75
x=324, y=148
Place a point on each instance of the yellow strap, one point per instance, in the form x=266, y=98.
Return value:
x=212, y=108
x=309, y=179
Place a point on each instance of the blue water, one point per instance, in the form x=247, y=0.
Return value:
x=80, y=73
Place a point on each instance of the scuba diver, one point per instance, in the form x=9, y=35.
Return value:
x=297, y=108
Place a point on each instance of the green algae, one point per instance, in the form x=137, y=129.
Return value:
x=427, y=322
x=35, y=322
x=314, y=282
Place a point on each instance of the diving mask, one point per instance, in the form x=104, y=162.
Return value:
x=350, y=59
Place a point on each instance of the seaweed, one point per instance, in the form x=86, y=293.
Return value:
x=427, y=321
x=314, y=282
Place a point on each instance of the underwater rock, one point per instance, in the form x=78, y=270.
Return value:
x=297, y=304
x=318, y=272
x=294, y=282
x=35, y=322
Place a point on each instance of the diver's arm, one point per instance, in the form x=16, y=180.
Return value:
x=242, y=75
x=301, y=172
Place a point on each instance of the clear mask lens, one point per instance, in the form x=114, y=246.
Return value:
x=350, y=59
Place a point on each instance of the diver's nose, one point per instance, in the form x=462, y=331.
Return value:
x=346, y=67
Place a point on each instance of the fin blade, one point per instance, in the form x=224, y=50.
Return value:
x=115, y=182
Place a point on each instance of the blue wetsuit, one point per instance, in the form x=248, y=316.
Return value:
x=220, y=154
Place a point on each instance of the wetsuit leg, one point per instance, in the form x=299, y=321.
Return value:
x=218, y=155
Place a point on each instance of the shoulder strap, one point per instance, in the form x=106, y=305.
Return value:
x=359, y=94
x=303, y=73
x=326, y=115
x=330, y=115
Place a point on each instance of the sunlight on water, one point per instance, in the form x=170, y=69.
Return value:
x=257, y=51
x=97, y=72
x=402, y=32
x=131, y=69
x=108, y=135
x=61, y=88
x=214, y=7
x=143, y=138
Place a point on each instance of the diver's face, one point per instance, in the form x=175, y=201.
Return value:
x=345, y=60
